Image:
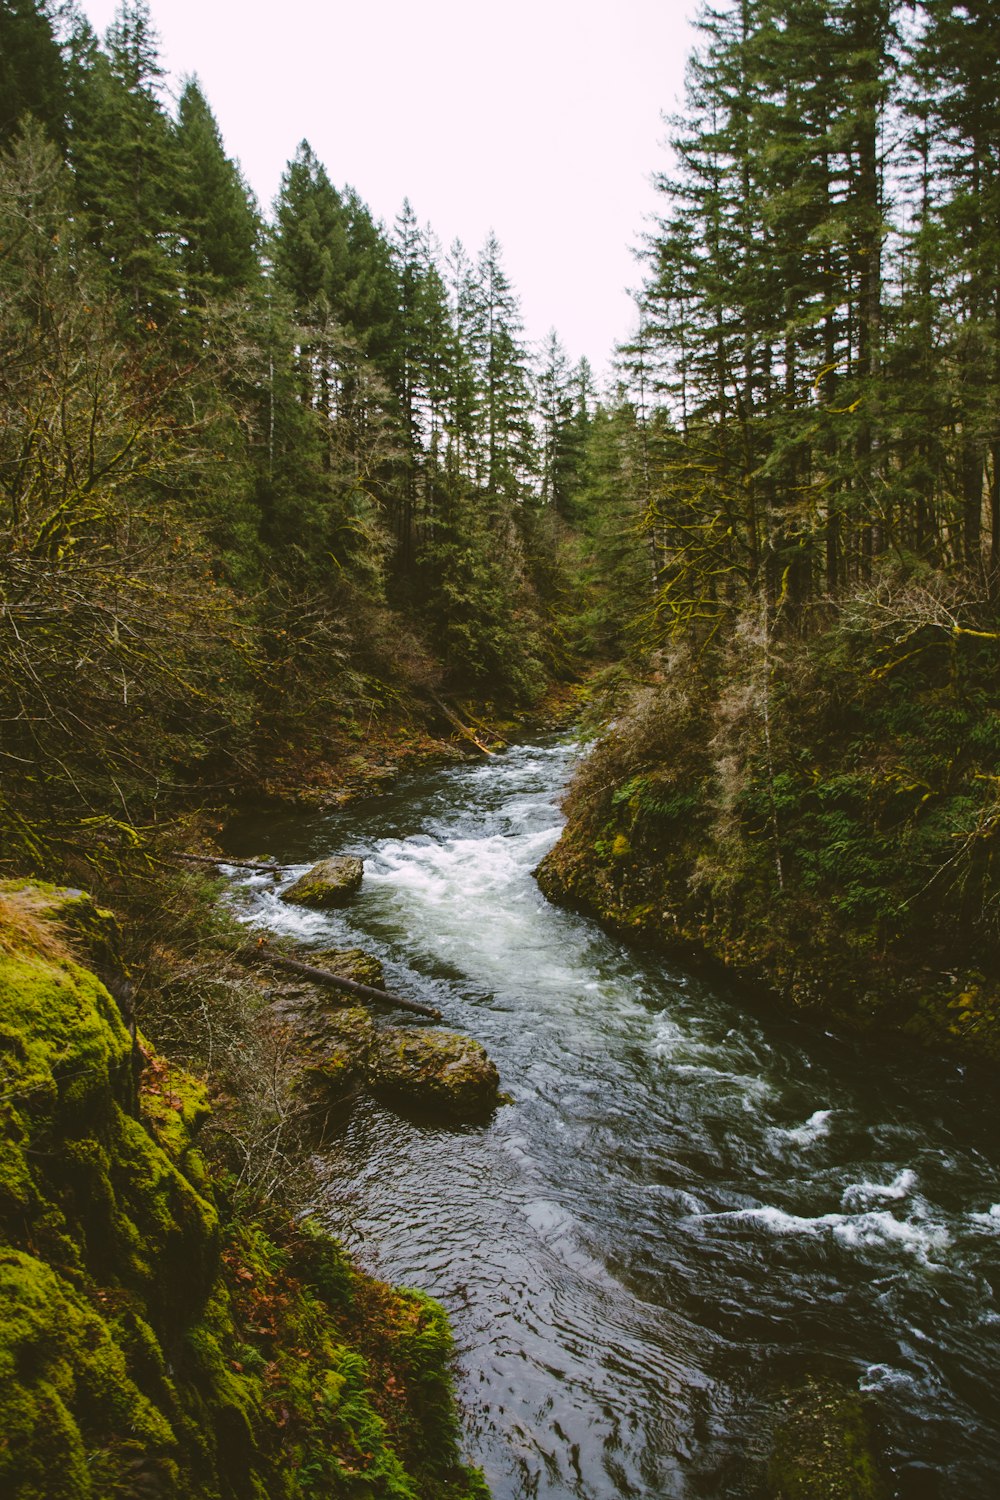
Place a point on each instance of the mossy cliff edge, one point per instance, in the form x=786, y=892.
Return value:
x=151, y=1342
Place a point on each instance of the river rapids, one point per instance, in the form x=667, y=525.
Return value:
x=689, y=1206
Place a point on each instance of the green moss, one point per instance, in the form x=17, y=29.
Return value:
x=147, y=1348
x=67, y=1397
x=330, y=883
x=174, y=1106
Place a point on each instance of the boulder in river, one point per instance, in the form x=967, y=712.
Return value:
x=438, y=1071
x=330, y=883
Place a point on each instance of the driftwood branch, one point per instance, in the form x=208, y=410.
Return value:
x=237, y=864
x=337, y=982
x=463, y=729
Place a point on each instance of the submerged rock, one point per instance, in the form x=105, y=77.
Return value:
x=332, y=882
x=824, y=1448
x=440, y=1071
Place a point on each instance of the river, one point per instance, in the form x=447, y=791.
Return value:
x=689, y=1205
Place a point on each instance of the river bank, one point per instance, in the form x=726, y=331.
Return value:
x=827, y=837
x=659, y=1257
x=163, y=1333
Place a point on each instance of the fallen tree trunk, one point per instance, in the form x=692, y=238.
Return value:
x=236, y=864
x=463, y=729
x=337, y=982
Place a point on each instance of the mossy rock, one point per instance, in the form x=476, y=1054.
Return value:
x=68, y=1409
x=330, y=883
x=148, y=1348
x=440, y=1072
x=824, y=1447
x=341, y=1052
x=50, y=916
x=349, y=963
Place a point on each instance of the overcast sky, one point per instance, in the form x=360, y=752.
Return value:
x=541, y=119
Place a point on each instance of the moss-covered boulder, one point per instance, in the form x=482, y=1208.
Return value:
x=824, y=1447
x=154, y=1341
x=439, y=1072
x=61, y=921
x=340, y=1055
x=349, y=963
x=330, y=883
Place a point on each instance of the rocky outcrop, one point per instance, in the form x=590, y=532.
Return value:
x=336, y=1048
x=153, y=1340
x=440, y=1072
x=330, y=883
x=352, y=963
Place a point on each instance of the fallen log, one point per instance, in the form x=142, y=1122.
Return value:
x=236, y=864
x=337, y=982
x=463, y=729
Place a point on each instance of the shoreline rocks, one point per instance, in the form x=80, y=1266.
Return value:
x=339, y=1049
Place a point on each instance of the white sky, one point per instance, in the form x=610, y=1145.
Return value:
x=541, y=119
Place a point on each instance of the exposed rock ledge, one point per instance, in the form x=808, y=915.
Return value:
x=342, y=1050
x=153, y=1341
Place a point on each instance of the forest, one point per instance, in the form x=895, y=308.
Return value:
x=313, y=450
x=287, y=497
x=810, y=767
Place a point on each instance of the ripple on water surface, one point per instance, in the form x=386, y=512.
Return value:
x=686, y=1204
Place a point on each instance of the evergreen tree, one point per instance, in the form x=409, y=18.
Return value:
x=958, y=56
x=220, y=227
x=127, y=175
x=499, y=359
x=32, y=70
x=464, y=399
x=559, y=430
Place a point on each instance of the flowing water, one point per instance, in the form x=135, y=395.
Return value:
x=688, y=1207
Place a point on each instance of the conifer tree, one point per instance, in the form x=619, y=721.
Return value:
x=499, y=358
x=32, y=70
x=559, y=453
x=126, y=172
x=958, y=55
x=220, y=229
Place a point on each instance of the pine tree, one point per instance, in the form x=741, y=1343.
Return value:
x=219, y=223
x=499, y=358
x=32, y=70
x=309, y=255
x=126, y=173
x=959, y=55
x=558, y=418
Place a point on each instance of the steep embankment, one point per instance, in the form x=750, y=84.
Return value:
x=822, y=819
x=152, y=1341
